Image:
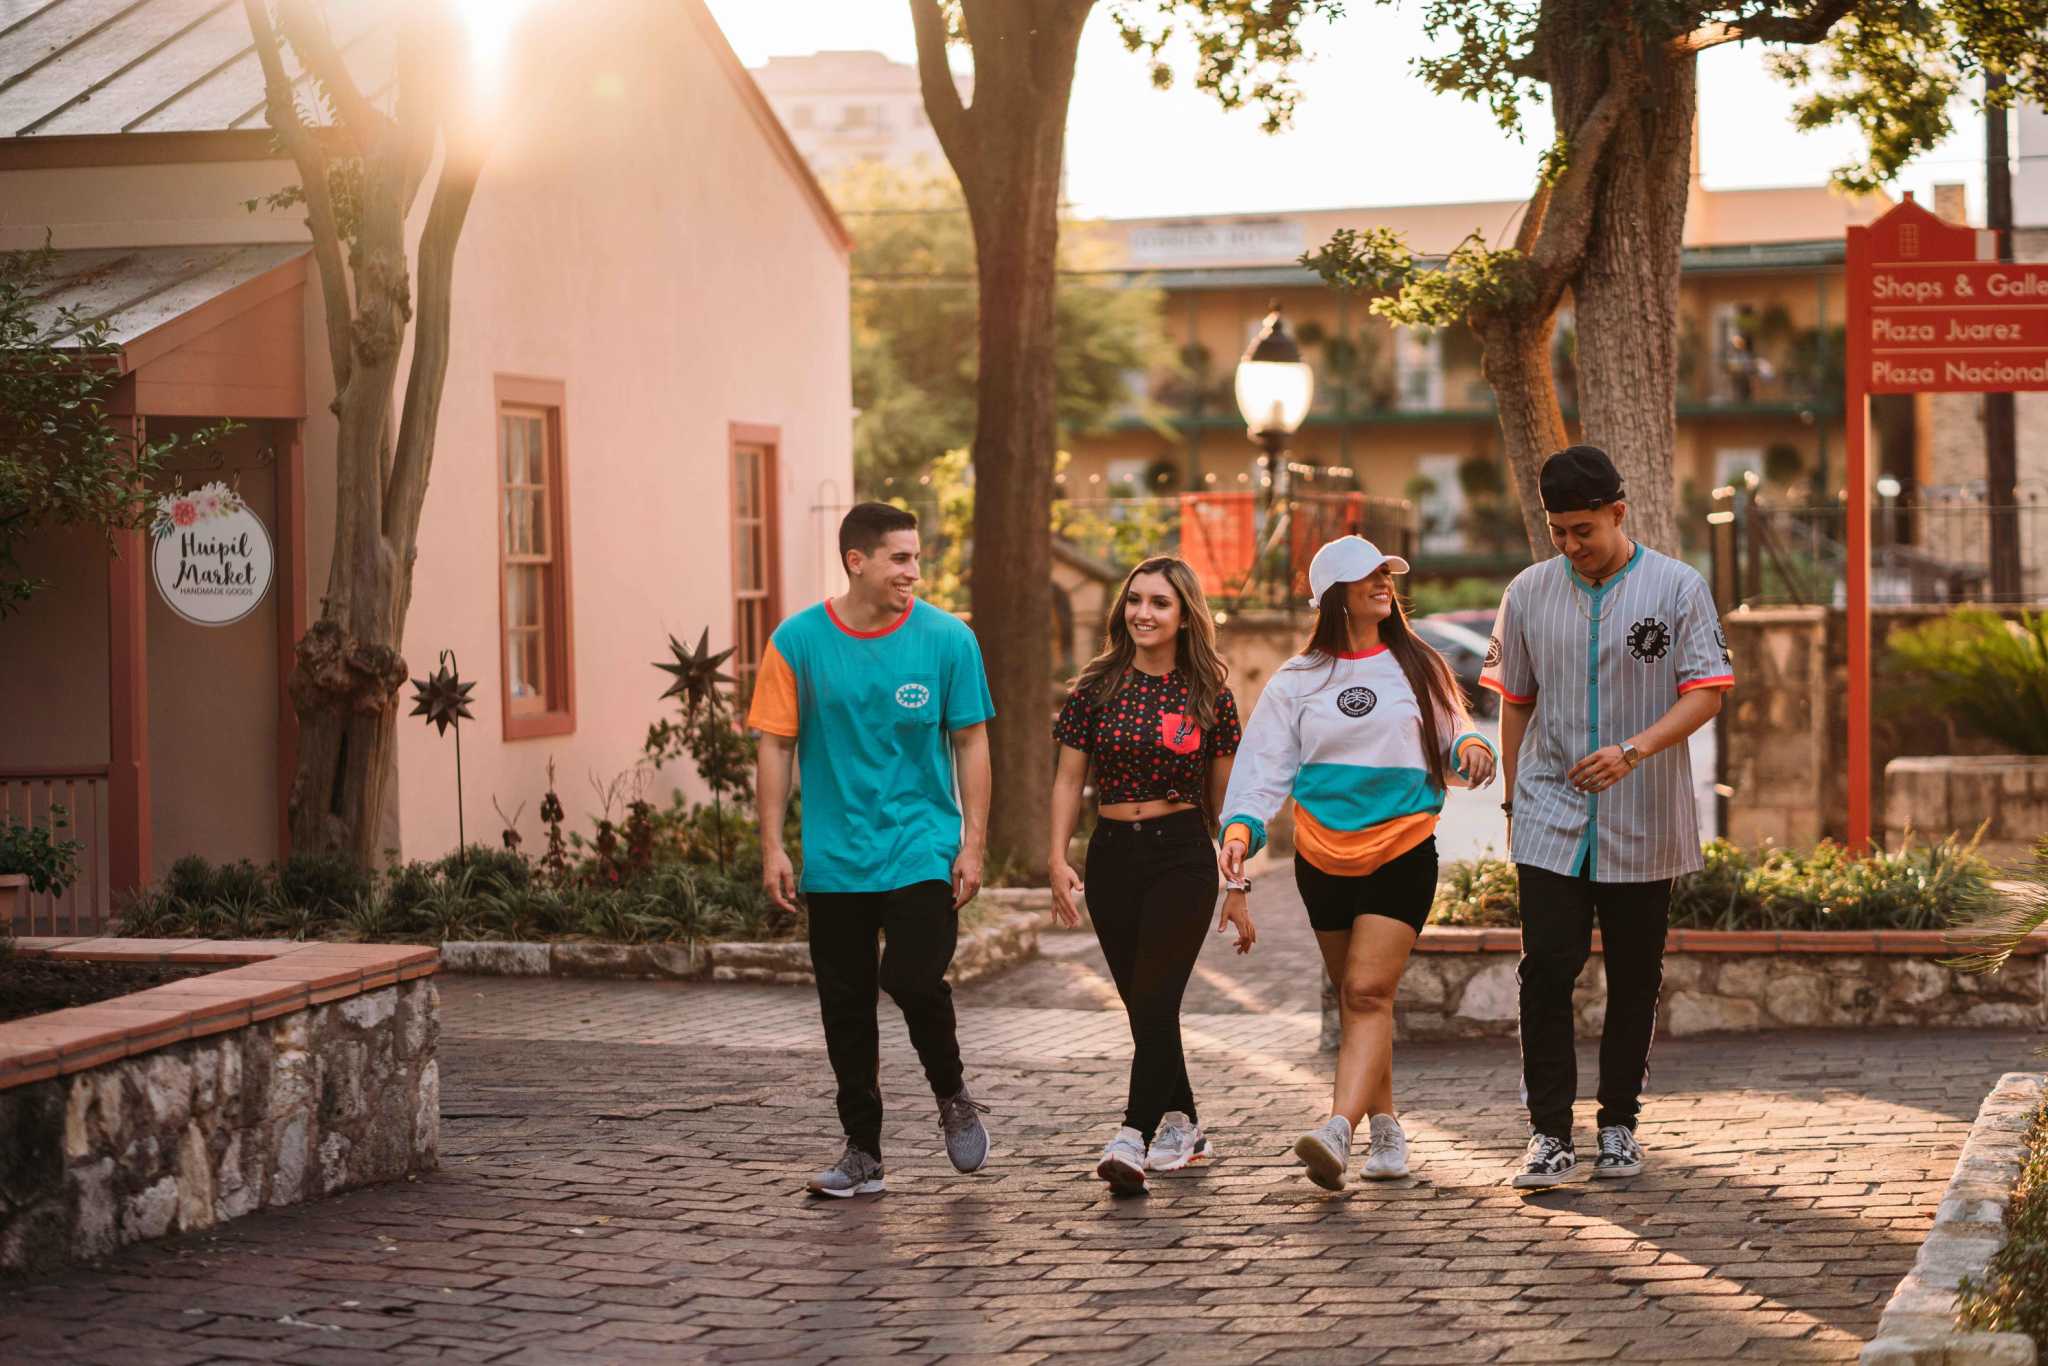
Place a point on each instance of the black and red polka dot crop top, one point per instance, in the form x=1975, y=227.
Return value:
x=1142, y=744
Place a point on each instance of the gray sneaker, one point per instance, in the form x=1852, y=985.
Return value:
x=1326, y=1151
x=966, y=1136
x=1179, y=1143
x=1123, y=1162
x=1387, y=1158
x=855, y=1173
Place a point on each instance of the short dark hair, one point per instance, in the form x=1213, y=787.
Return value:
x=868, y=524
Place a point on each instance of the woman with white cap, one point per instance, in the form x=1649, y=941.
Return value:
x=1364, y=730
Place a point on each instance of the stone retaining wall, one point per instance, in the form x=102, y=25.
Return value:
x=1918, y=1326
x=2004, y=795
x=1461, y=984
x=1010, y=939
x=234, y=1114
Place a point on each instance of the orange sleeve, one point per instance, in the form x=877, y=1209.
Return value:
x=775, y=706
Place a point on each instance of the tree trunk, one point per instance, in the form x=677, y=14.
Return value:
x=1626, y=294
x=1515, y=358
x=1006, y=149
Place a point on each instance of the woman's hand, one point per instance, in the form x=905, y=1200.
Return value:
x=1065, y=883
x=1479, y=766
x=1233, y=860
x=1237, y=911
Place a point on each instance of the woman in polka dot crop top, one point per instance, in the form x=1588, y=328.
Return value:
x=1152, y=720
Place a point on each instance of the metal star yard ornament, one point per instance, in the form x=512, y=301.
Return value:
x=696, y=671
x=442, y=698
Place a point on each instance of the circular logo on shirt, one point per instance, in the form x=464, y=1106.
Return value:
x=1649, y=640
x=1356, y=701
x=1721, y=639
x=913, y=695
x=1493, y=652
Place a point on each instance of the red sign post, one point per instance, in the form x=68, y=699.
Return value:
x=1931, y=310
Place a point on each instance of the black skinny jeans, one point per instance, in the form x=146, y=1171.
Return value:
x=921, y=929
x=1558, y=913
x=1151, y=889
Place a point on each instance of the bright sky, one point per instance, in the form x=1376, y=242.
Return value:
x=1366, y=132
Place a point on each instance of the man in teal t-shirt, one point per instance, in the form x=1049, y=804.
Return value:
x=879, y=697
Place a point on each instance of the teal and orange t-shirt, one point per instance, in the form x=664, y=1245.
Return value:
x=871, y=712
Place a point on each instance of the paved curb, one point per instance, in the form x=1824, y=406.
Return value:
x=1918, y=1324
x=991, y=949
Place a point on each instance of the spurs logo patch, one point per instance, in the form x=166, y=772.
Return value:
x=1721, y=639
x=1649, y=640
x=1356, y=701
x=913, y=695
x=1493, y=652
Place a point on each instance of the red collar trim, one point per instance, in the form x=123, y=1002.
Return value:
x=1362, y=654
x=869, y=635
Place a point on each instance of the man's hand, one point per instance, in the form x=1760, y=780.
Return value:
x=1237, y=911
x=1065, y=884
x=1600, y=770
x=1233, y=860
x=966, y=875
x=778, y=878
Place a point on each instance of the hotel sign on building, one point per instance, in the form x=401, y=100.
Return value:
x=1238, y=241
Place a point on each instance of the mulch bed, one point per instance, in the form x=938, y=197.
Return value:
x=32, y=986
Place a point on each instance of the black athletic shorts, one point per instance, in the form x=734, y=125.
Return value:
x=1402, y=889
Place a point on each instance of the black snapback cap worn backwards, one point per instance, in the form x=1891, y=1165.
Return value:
x=1579, y=479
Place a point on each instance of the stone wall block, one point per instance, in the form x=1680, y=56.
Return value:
x=1797, y=998
x=370, y=1009
x=195, y=1180
x=1692, y=1012
x=168, y=1087
x=289, y=1142
x=426, y=1123
x=1492, y=994
x=342, y=1066
x=234, y=1193
x=1422, y=985
x=150, y=1212
x=333, y=1169
x=95, y=1221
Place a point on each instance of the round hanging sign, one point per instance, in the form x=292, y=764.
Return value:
x=211, y=555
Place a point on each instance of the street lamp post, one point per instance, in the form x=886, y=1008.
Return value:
x=1274, y=387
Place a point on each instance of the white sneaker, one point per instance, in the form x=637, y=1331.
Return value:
x=1123, y=1162
x=1387, y=1158
x=1326, y=1151
x=1179, y=1143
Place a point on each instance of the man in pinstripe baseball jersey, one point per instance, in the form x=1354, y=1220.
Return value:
x=1606, y=658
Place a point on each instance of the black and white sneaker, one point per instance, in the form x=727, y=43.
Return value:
x=1548, y=1162
x=1620, y=1154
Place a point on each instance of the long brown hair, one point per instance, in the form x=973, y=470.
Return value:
x=1435, y=687
x=1194, y=646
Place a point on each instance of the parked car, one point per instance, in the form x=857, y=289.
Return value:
x=1464, y=649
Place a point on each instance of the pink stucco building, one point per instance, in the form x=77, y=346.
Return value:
x=646, y=409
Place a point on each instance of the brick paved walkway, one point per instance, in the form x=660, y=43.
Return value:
x=621, y=1182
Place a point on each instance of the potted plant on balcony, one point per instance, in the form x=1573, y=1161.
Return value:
x=32, y=859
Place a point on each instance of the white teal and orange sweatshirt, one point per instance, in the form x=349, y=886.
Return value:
x=1343, y=739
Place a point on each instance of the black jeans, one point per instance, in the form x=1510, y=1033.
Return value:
x=921, y=929
x=1151, y=890
x=1558, y=913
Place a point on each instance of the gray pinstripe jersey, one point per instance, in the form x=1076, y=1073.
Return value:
x=1602, y=664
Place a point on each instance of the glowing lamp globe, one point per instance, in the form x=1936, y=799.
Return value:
x=1274, y=384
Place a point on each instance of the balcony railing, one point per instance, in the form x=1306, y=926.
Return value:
x=71, y=803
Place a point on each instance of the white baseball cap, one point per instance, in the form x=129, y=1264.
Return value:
x=1344, y=560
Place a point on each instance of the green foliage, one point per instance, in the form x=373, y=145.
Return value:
x=1991, y=935
x=2012, y=1295
x=51, y=864
x=1921, y=887
x=914, y=322
x=321, y=882
x=66, y=460
x=1989, y=673
x=1376, y=263
x=1430, y=596
x=1244, y=49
